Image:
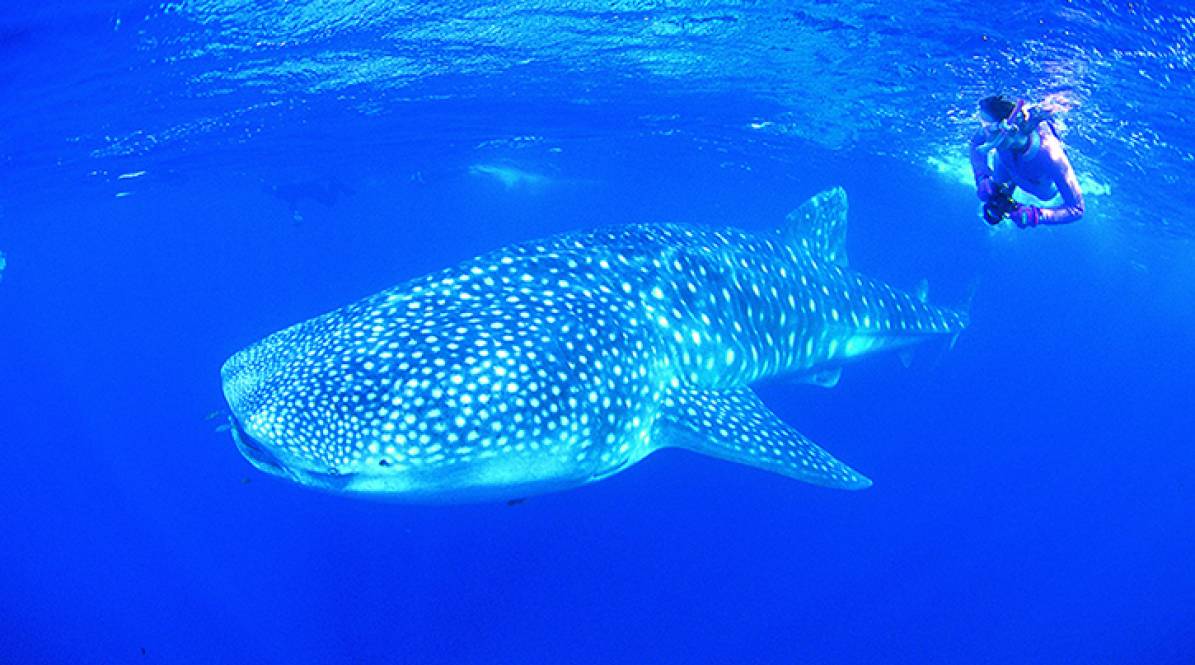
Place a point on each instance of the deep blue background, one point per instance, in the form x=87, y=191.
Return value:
x=1033, y=492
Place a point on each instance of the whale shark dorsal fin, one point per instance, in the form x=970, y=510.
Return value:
x=734, y=425
x=819, y=226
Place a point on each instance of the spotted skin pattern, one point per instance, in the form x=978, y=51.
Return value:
x=554, y=363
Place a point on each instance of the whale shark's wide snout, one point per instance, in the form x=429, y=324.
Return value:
x=250, y=374
x=266, y=401
x=255, y=385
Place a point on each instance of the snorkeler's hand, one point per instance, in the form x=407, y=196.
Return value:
x=985, y=189
x=1025, y=216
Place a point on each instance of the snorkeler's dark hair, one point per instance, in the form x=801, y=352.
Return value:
x=998, y=107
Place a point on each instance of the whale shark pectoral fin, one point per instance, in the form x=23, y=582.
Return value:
x=736, y=426
x=819, y=225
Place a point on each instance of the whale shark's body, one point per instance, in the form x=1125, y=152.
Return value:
x=551, y=364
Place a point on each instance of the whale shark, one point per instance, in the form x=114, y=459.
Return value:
x=555, y=363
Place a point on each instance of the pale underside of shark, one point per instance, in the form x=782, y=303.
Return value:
x=554, y=363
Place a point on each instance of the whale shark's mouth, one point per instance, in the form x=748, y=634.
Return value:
x=253, y=451
x=387, y=485
x=266, y=460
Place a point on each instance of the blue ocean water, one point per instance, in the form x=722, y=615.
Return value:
x=181, y=179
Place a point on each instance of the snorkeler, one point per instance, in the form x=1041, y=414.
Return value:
x=1029, y=155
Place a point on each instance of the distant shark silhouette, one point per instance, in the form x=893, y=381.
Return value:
x=554, y=363
x=510, y=176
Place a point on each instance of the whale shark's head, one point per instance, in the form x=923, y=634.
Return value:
x=264, y=385
x=432, y=396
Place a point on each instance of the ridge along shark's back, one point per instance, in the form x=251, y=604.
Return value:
x=553, y=363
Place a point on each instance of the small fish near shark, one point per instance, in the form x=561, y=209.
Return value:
x=554, y=363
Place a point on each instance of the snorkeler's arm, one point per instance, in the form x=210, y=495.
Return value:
x=979, y=158
x=1072, y=207
x=987, y=180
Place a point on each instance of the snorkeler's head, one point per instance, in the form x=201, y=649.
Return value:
x=1004, y=121
x=996, y=108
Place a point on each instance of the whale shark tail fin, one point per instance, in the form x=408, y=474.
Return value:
x=947, y=344
x=819, y=226
x=972, y=289
x=736, y=426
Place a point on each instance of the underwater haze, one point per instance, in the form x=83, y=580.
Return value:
x=181, y=180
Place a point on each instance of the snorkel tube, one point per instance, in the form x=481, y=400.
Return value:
x=1014, y=123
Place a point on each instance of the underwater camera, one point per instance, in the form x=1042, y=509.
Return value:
x=998, y=207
